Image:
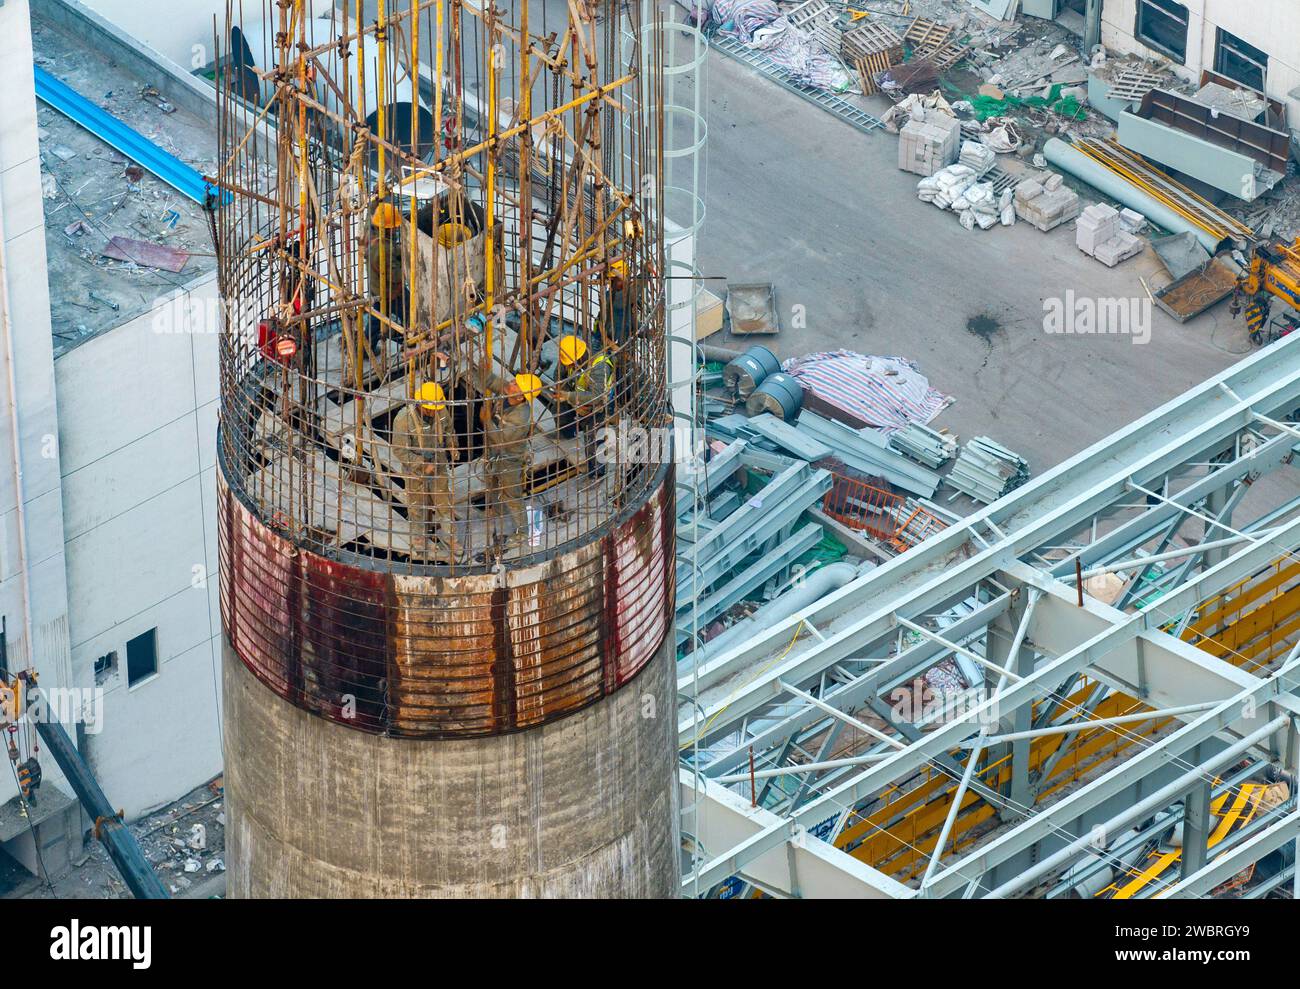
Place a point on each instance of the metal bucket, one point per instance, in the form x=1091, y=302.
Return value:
x=779, y=394
x=747, y=372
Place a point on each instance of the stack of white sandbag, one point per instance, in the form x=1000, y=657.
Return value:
x=959, y=189
x=946, y=185
x=978, y=157
x=978, y=205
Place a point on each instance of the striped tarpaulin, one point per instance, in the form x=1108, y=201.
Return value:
x=885, y=392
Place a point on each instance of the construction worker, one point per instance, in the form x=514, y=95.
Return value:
x=585, y=390
x=509, y=422
x=618, y=326
x=384, y=270
x=618, y=323
x=425, y=443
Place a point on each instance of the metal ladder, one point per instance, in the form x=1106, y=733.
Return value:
x=830, y=102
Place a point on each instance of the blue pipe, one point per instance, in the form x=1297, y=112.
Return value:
x=131, y=143
x=118, y=840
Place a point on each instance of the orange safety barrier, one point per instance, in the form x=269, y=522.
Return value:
x=881, y=514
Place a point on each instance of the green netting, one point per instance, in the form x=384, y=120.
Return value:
x=829, y=550
x=988, y=106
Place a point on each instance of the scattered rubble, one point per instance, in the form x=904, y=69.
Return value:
x=184, y=842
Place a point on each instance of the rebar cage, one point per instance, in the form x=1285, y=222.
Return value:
x=401, y=209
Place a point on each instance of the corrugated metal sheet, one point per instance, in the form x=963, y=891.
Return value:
x=448, y=656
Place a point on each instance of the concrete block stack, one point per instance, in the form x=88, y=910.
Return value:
x=929, y=144
x=1100, y=234
x=1046, y=204
x=1132, y=221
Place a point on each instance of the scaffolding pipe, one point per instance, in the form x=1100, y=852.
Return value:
x=1123, y=719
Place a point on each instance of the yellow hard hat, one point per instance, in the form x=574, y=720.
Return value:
x=451, y=234
x=387, y=217
x=618, y=269
x=572, y=350
x=431, y=396
x=529, y=384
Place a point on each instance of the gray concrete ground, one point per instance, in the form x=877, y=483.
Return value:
x=798, y=198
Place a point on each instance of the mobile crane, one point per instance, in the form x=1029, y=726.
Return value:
x=1273, y=271
x=20, y=700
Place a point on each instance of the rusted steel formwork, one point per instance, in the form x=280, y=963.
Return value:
x=447, y=656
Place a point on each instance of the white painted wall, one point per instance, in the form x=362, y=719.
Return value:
x=32, y=573
x=138, y=416
x=186, y=23
x=1272, y=26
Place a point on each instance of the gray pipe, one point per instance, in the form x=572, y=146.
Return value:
x=818, y=584
x=1068, y=159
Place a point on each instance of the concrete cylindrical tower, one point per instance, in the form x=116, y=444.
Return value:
x=448, y=667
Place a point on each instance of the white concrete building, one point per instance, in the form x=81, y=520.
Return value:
x=33, y=571
x=1253, y=42
x=108, y=555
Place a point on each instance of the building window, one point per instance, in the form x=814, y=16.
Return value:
x=105, y=668
x=1162, y=24
x=1239, y=61
x=142, y=657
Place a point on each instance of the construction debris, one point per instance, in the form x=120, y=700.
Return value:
x=798, y=43
x=1181, y=254
x=145, y=254
x=868, y=452
x=986, y=470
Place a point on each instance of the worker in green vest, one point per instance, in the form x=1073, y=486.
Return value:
x=586, y=395
x=585, y=389
x=425, y=444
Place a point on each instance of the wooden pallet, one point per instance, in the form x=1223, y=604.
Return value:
x=817, y=19
x=868, y=39
x=947, y=56
x=870, y=66
x=934, y=43
x=926, y=35
x=1133, y=84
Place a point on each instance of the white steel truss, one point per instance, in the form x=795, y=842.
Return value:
x=998, y=590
